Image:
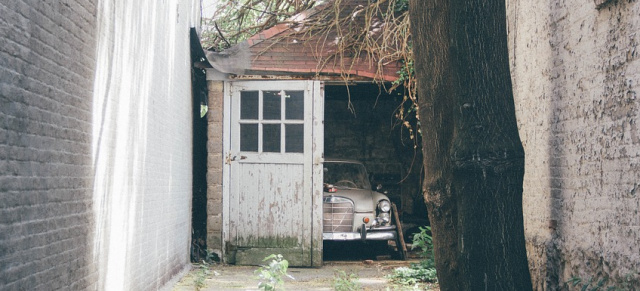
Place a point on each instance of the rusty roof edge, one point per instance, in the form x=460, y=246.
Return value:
x=327, y=75
x=330, y=78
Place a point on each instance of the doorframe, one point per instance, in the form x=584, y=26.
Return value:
x=317, y=172
x=317, y=125
x=226, y=168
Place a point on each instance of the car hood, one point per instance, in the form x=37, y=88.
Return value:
x=362, y=199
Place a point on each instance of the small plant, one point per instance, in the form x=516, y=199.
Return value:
x=425, y=270
x=344, y=282
x=204, y=271
x=271, y=275
x=417, y=273
x=202, y=275
x=424, y=241
x=211, y=257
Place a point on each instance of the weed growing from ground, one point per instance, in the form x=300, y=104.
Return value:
x=204, y=271
x=425, y=270
x=344, y=282
x=202, y=275
x=271, y=275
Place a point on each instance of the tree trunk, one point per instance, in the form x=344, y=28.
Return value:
x=473, y=157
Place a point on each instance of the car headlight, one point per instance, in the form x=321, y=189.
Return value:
x=384, y=206
x=382, y=219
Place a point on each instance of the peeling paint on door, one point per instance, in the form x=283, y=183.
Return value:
x=271, y=193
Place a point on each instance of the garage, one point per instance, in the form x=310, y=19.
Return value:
x=274, y=136
x=275, y=114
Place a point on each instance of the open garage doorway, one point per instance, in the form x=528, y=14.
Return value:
x=361, y=123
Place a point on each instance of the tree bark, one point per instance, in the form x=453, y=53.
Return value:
x=473, y=156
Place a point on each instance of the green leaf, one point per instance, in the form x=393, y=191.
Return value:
x=203, y=110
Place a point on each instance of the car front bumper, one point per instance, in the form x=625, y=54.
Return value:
x=378, y=233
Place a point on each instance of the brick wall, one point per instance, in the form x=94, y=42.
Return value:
x=576, y=71
x=214, y=164
x=47, y=56
x=143, y=140
x=363, y=130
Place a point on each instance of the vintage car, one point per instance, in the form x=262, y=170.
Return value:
x=352, y=210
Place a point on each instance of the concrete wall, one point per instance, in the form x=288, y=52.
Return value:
x=95, y=143
x=576, y=73
x=47, y=59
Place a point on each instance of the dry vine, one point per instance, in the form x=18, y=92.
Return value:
x=237, y=20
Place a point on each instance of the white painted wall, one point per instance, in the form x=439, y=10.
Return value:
x=142, y=142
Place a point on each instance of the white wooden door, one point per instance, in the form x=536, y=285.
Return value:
x=274, y=163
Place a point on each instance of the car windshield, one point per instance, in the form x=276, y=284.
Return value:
x=346, y=175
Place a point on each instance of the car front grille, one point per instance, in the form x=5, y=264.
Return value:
x=337, y=214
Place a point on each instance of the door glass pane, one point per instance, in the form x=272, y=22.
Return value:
x=271, y=138
x=249, y=105
x=249, y=137
x=271, y=105
x=294, y=138
x=294, y=105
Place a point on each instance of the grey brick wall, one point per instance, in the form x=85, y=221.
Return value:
x=46, y=77
x=576, y=71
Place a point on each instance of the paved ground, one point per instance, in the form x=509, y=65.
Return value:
x=371, y=269
x=371, y=276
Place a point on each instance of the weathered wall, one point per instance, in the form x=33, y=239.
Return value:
x=47, y=59
x=214, y=166
x=142, y=142
x=362, y=130
x=576, y=73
